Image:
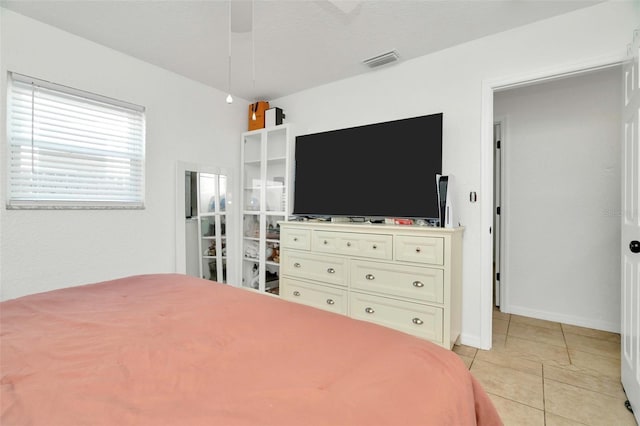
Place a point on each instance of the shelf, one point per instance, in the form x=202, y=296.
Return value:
x=276, y=159
x=269, y=262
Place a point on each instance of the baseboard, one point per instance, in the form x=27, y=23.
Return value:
x=596, y=324
x=471, y=340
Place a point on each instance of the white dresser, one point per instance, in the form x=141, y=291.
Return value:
x=399, y=276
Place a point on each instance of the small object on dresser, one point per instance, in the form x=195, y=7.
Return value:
x=399, y=221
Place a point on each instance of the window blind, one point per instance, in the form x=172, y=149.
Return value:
x=73, y=149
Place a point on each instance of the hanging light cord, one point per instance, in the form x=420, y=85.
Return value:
x=229, y=98
x=253, y=44
x=253, y=53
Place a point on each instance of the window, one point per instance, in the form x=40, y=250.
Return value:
x=72, y=149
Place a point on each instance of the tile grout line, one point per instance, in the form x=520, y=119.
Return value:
x=506, y=334
x=566, y=345
x=544, y=401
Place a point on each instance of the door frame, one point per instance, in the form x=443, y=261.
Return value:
x=489, y=87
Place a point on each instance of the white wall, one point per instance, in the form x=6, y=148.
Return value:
x=561, y=153
x=43, y=250
x=450, y=81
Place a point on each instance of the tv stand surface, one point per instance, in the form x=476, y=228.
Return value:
x=403, y=277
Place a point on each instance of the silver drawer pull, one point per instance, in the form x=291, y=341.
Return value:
x=369, y=310
x=295, y=238
x=348, y=244
x=417, y=321
x=418, y=284
x=296, y=293
x=325, y=242
x=418, y=250
x=370, y=277
x=331, y=271
x=296, y=265
x=330, y=302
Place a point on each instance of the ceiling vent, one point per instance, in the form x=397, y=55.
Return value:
x=382, y=59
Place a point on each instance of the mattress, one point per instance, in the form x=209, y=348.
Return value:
x=169, y=349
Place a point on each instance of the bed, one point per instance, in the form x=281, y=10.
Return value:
x=168, y=349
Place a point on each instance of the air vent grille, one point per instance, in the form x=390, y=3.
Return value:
x=382, y=59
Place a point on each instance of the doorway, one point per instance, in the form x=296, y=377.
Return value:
x=557, y=191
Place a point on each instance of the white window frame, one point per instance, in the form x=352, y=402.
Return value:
x=106, y=164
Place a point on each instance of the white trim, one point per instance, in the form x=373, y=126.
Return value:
x=471, y=340
x=486, y=166
x=486, y=217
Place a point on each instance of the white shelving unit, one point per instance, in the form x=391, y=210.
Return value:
x=266, y=176
x=212, y=224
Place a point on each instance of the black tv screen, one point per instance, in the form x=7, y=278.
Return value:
x=378, y=170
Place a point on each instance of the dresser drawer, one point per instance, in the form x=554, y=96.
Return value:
x=374, y=246
x=299, y=239
x=318, y=296
x=409, y=248
x=414, y=282
x=327, y=269
x=419, y=320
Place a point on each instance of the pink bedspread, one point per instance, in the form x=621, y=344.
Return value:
x=174, y=350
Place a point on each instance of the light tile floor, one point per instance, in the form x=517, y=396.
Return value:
x=546, y=373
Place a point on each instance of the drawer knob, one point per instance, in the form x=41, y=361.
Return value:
x=375, y=246
x=325, y=242
x=418, y=284
x=418, y=250
x=369, y=310
x=417, y=321
x=331, y=271
x=296, y=265
x=330, y=302
x=296, y=293
x=295, y=238
x=370, y=277
x=348, y=244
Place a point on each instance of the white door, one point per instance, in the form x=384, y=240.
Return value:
x=631, y=231
x=497, y=200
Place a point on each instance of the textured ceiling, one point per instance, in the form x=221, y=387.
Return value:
x=291, y=45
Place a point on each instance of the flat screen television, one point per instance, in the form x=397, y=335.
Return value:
x=377, y=170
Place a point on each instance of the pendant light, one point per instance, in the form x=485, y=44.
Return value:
x=229, y=97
